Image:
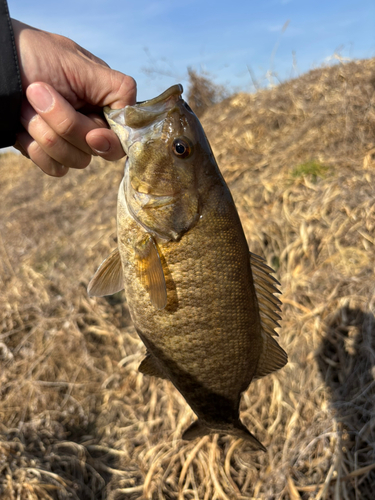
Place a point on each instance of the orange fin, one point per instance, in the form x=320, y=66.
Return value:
x=150, y=367
x=198, y=429
x=108, y=278
x=151, y=271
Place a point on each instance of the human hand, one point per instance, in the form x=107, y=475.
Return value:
x=59, y=78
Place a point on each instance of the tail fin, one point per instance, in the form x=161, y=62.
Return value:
x=241, y=431
x=199, y=429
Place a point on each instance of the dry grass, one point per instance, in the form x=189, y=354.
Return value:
x=203, y=92
x=76, y=418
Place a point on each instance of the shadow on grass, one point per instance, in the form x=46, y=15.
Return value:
x=347, y=364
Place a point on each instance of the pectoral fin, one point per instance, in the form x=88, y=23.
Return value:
x=149, y=367
x=151, y=271
x=108, y=279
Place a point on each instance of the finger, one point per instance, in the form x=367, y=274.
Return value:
x=17, y=145
x=31, y=149
x=50, y=142
x=100, y=121
x=60, y=115
x=123, y=91
x=105, y=143
x=106, y=87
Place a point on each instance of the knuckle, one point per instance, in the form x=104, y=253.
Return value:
x=126, y=86
x=131, y=84
x=65, y=128
x=45, y=162
x=33, y=150
x=49, y=140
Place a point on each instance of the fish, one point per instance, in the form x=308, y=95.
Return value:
x=203, y=305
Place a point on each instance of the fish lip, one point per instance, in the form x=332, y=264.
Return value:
x=175, y=90
x=154, y=107
x=146, y=114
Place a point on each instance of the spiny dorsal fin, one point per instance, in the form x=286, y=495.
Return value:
x=151, y=272
x=150, y=367
x=108, y=278
x=273, y=357
x=265, y=288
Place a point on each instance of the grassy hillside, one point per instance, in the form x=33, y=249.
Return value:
x=78, y=421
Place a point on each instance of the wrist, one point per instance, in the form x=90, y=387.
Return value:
x=10, y=81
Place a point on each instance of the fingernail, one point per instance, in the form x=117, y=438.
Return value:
x=55, y=170
x=99, y=144
x=40, y=97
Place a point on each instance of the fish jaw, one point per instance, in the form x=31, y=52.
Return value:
x=143, y=121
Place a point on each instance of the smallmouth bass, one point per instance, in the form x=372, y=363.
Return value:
x=203, y=305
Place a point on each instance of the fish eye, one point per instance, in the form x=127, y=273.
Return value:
x=182, y=148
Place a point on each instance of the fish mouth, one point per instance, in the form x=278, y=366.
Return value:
x=175, y=90
x=145, y=113
x=144, y=120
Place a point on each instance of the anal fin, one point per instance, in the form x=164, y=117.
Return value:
x=150, y=367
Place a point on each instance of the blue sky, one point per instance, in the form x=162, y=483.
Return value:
x=155, y=41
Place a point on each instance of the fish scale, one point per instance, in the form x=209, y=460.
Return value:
x=202, y=304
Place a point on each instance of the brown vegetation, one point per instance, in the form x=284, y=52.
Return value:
x=77, y=420
x=203, y=92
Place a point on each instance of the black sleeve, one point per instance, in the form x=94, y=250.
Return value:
x=10, y=81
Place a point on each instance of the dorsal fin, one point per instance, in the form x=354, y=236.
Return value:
x=273, y=357
x=108, y=278
x=265, y=289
